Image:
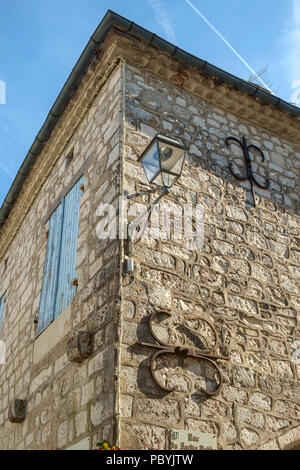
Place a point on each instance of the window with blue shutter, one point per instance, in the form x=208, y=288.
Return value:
x=2, y=306
x=60, y=266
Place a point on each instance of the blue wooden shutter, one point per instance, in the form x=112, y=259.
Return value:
x=67, y=267
x=2, y=305
x=49, y=289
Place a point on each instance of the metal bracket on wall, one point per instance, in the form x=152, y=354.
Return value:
x=17, y=411
x=249, y=172
x=163, y=348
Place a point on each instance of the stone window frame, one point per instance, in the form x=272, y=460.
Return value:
x=46, y=316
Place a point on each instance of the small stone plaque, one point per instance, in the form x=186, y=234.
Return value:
x=190, y=440
x=82, y=445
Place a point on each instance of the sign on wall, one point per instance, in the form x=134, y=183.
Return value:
x=190, y=440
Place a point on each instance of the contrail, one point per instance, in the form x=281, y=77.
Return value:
x=227, y=44
x=162, y=18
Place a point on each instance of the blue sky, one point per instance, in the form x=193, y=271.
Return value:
x=41, y=41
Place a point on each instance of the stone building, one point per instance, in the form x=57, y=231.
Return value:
x=72, y=321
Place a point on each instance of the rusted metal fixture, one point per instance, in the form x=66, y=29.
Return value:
x=17, y=411
x=205, y=354
x=249, y=172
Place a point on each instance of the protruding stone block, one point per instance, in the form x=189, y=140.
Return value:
x=80, y=346
x=17, y=411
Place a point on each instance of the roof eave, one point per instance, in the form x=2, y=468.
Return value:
x=110, y=20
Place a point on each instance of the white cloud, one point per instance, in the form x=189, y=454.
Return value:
x=2, y=92
x=291, y=40
x=163, y=19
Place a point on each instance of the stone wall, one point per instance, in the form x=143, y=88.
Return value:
x=245, y=279
x=66, y=402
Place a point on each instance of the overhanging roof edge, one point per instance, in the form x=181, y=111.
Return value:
x=113, y=19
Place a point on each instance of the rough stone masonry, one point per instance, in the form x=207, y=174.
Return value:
x=244, y=280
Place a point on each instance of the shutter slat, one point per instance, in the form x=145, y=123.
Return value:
x=67, y=269
x=50, y=281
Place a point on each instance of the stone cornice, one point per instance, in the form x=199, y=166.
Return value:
x=120, y=46
x=211, y=90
